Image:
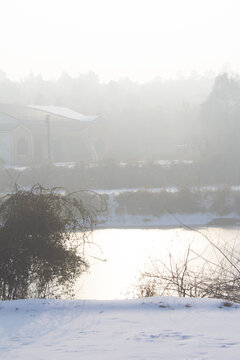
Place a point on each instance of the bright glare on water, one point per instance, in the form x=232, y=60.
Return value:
x=125, y=253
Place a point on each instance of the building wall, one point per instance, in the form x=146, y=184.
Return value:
x=70, y=142
x=25, y=146
x=22, y=146
x=5, y=148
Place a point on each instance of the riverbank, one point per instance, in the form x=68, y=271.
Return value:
x=176, y=220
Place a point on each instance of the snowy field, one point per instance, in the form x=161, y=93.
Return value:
x=155, y=328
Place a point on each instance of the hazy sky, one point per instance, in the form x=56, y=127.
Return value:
x=140, y=39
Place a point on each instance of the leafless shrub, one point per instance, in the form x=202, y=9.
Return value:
x=42, y=237
x=196, y=275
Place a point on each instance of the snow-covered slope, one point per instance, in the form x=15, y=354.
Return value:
x=153, y=328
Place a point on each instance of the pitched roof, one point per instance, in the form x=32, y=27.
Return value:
x=7, y=122
x=64, y=112
x=35, y=119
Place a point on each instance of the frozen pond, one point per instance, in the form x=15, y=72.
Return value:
x=125, y=253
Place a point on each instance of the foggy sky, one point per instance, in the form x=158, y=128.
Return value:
x=140, y=39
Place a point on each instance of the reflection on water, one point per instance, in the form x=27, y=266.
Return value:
x=125, y=253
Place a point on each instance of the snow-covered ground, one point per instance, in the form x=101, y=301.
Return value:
x=112, y=219
x=154, y=328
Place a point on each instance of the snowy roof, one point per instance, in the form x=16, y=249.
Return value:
x=65, y=112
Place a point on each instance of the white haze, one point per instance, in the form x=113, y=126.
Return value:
x=140, y=39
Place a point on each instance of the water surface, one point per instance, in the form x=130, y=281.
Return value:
x=125, y=253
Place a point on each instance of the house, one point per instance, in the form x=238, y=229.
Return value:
x=37, y=134
x=16, y=143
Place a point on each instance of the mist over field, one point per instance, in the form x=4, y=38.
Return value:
x=179, y=132
x=182, y=118
x=153, y=120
